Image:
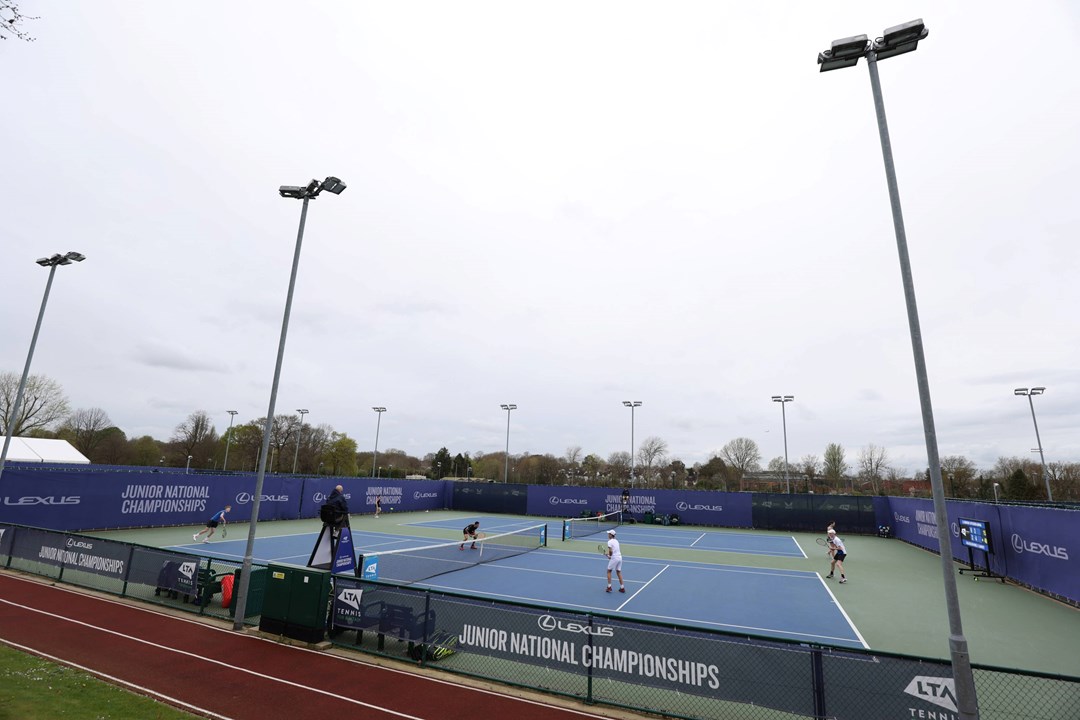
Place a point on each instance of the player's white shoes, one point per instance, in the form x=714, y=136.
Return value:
x=195, y=536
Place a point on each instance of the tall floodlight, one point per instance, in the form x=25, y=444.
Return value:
x=228, y=440
x=846, y=53
x=299, y=434
x=506, y=464
x=13, y=418
x=310, y=192
x=1042, y=458
x=378, y=424
x=632, y=404
x=784, y=400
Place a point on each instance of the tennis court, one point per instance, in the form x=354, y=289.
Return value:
x=775, y=602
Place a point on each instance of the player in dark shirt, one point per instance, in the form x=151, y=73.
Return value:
x=470, y=532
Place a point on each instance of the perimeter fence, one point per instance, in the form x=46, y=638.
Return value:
x=192, y=583
x=657, y=668
x=670, y=670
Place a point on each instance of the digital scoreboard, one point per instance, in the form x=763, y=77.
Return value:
x=976, y=534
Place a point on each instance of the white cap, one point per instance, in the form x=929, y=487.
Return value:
x=832, y=531
x=610, y=532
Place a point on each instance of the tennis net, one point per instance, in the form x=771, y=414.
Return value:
x=410, y=565
x=583, y=527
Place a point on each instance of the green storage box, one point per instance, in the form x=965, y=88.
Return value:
x=295, y=602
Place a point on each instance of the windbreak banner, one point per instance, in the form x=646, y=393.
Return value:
x=1036, y=546
x=90, y=500
x=693, y=507
x=361, y=494
x=100, y=557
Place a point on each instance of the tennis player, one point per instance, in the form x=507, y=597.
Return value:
x=838, y=552
x=212, y=523
x=378, y=505
x=470, y=532
x=614, y=562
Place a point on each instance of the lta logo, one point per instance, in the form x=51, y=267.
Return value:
x=936, y=690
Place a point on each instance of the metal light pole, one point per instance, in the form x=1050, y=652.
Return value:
x=506, y=465
x=784, y=400
x=1042, y=459
x=996, y=486
x=228, y=440
x=632, y=404
x=311, y=191
x=378, y=424
x=187, y=468
x=846, y=53
x=51, y=263
x=299, y=434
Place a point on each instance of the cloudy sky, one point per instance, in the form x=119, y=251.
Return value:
x=561, y=205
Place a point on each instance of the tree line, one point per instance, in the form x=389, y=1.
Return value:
x=296, y=446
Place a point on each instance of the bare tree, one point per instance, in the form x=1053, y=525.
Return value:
x=652, y=451
x=11, y=17
x=743, y=455
x=197, y=430
x=43, y=403
x=958, y=474
x=835, y=465
x=86, y=428
x=873, y=465
x=618, y=465
x=811, y=468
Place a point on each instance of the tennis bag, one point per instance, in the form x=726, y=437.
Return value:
x=442, y=645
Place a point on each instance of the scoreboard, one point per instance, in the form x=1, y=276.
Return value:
x=976, y=534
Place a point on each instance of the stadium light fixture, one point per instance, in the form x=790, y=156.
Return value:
x=506, y=459
x=378, y=424
x=845, y=53
x=1029, y=392
x=13, y=418
x=228, y=440
x=632, y=404
x=288, y=191
x=299, y=434
x=784, y=400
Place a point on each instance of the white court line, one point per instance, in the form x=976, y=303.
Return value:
x=805, y=556
x=118, y=681
x=619, y=609
x=843, y=612
x=699, y=537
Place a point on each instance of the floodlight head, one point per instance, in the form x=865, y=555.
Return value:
x=333, y=185
x=843, y=53
x=509, y=406
x=1037, y=390
x=379, y=409
x=76, y=257
x=900, y=39
x=291, y=191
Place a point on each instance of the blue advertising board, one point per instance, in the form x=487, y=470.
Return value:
x=692, y=507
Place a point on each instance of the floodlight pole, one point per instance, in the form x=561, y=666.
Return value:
x=1042, y=458
x=632, y=404
x=784, y=400
x=967, y=704
x=378, y=424
x=506, y=461
x=13, y=418
x=228, y=440
x=312, y=190
x=299, y=434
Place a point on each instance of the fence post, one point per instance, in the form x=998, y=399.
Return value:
x=818, y=674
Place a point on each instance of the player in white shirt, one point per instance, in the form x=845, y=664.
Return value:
x=614, y=561
x=838, y=552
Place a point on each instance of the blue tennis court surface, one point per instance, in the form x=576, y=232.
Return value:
x=796, y=605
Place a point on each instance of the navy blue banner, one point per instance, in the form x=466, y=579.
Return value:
x=692, y=507
x=1036, y=546
x=85, y=501
x=92, y=555
x=360, y=494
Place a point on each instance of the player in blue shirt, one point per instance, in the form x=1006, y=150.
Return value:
x=212, y=523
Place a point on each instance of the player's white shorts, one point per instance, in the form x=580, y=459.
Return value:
x=615, y=564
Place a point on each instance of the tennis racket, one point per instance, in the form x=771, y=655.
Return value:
x=825, y=544
x=602, y=549
x=481, y=536
x=224, y=532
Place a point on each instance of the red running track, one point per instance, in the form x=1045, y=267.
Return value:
x=217, y=673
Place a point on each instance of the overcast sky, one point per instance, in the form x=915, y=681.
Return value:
x=561, y=205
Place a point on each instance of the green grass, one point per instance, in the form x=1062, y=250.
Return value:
x=34, y=689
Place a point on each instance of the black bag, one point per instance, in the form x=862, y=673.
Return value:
x=329, y=514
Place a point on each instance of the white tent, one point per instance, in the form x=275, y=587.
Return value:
x=44, y=451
